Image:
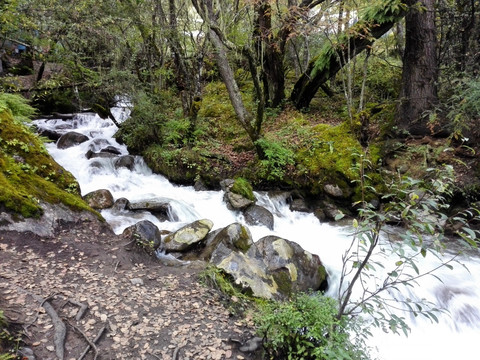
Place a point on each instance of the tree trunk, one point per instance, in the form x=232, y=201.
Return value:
x=333, y=57
x=420, y=71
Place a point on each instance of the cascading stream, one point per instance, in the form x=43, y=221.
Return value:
x=454, y=336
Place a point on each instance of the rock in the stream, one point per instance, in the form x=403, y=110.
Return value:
x=99, y=199
x=234, y=201
x=187, y=236
x=258, y=215
x=126, y=161
x=235, y=237
x=70, y=139
x=160, y=207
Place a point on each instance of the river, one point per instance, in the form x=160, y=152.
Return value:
x=458, y=292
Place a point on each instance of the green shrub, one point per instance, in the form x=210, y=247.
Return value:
x=306, y=327
x=276, y=159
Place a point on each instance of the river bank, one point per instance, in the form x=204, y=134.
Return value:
x=148, y=310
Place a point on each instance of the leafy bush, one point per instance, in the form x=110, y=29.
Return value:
x=276, y=158
x=306, y=327
x=17, y=105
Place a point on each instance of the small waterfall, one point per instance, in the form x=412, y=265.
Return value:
x=453, y=337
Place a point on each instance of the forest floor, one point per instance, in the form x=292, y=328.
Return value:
x=141, y=308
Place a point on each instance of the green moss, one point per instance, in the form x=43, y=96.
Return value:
x=329, y=156
x=284, y=282
x=28, y=174
x=242, y=187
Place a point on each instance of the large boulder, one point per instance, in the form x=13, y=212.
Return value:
x=70, y=139
x=247, y=270
x=258, y=215
x=99, y=199
x=234, y=237
x=187, y=236
x=293, y=268
x=145, y=235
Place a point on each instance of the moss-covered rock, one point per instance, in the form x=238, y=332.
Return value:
x=28, y=174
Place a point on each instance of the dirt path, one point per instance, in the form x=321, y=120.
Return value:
x=147, y=310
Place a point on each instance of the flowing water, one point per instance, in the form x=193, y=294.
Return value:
x=454, y=336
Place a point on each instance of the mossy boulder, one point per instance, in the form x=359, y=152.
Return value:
x=28, y=174
x=187, y=236
x=235, y=237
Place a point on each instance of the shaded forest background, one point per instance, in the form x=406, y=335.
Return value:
x=286, y=93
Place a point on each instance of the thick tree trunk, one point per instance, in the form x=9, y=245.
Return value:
x=273, y=56
x=420, y=72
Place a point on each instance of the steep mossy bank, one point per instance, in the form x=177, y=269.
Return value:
x=28, y=174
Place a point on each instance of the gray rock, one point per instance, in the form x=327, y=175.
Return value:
x=234, y=236
x=120, y=204
x=299, y=205
x=70, y=139
x=258, y=215
x=46, y=226
x=234, y=201
x=247, y=271
x=145, y=235
x=126, y=161
x=333, y=190
x=331, y=211
x=99, y=199
x=187, y=236
x=293, y=268
x=160, y=207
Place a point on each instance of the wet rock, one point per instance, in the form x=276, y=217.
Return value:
x=299, y=205
x=160, y=207
x=331, y=211
x=293, y=268
x=49, y=134
x=258, y=215
x=187, y=236
x=120, y=204
x=333, y=190
x=126, y=161
x=144, y=234
x=90, y=154
x=234, y=201
x=97, y=144
x=111, y=150
x=70, y=139
x=99, y=199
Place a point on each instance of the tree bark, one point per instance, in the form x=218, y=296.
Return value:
x=420, y=70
